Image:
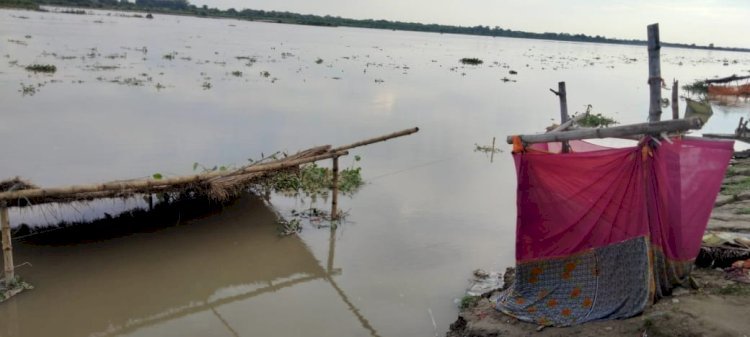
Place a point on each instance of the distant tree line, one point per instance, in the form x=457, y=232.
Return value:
x=183, y=7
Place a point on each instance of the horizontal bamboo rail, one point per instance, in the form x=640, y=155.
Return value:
x=676, y=125
x=377, y=139
x=118, y=186
x=217, y=179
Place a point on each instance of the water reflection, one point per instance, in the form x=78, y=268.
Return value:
x=146, y=283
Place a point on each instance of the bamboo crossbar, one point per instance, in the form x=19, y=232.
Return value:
x=215, y=180
x=675, y=125
x=377, y=139
x=145, y=184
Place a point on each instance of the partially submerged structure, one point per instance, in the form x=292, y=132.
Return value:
x=604, y=232
x=218, y=185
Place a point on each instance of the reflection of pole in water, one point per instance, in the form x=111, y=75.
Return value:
x=234, y=333
x=11, y=318
x=329, y=277
x=326, y=274
x=331, y=250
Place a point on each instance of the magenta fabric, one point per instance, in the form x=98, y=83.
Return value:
x=683, y=183
x=575, y=145
x=595, y=197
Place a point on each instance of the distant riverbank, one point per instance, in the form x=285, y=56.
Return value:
x=183, y=7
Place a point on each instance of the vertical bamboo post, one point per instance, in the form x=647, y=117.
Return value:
x=675, y=99
x=564, y=117
x=335, y=190
x=738, y=131
x=7, y=244
x=654, y=73
x=492, y=154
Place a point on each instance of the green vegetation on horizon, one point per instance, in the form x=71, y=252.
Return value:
x=183, y=7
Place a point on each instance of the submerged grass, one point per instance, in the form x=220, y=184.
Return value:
x=471, y=61
x=486, y=148
x=41, y=68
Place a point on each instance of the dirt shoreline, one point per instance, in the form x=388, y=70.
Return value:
x=718, y=307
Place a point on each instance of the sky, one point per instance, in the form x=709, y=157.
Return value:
x=722, y=22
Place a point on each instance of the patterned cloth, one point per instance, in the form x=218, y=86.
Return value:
x=566, y=291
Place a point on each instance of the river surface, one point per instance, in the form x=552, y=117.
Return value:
x=132, y=97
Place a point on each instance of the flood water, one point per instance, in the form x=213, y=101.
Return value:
x=432, y=210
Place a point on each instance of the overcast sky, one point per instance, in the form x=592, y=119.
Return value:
x=722, y=22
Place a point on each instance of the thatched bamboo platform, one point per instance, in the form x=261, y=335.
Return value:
x=218, y=185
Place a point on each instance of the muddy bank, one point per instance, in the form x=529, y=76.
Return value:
x=732, y=210
x=717, y=307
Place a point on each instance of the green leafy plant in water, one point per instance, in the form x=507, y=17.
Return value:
x=29, y=90
x=288, y=227
x=697, y=87
x=597, y=120
x=486, y=149
x=313, y=180
x=14, y=286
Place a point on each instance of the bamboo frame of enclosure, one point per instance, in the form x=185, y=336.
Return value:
x=623, y=131
x=218, y=185
x=654, y=127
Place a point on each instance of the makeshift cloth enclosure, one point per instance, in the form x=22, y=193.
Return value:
x=603, y=232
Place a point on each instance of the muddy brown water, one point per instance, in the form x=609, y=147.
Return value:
x=432, y=209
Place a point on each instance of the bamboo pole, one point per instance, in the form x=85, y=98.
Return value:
x=114, y=188
x=7, y=245
x=654, y=73
x=492, y=154
x=335, y=190
x=564, y=118
x=377, y=139
x=675, y=99
x=118, y=186
x=613, y=132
